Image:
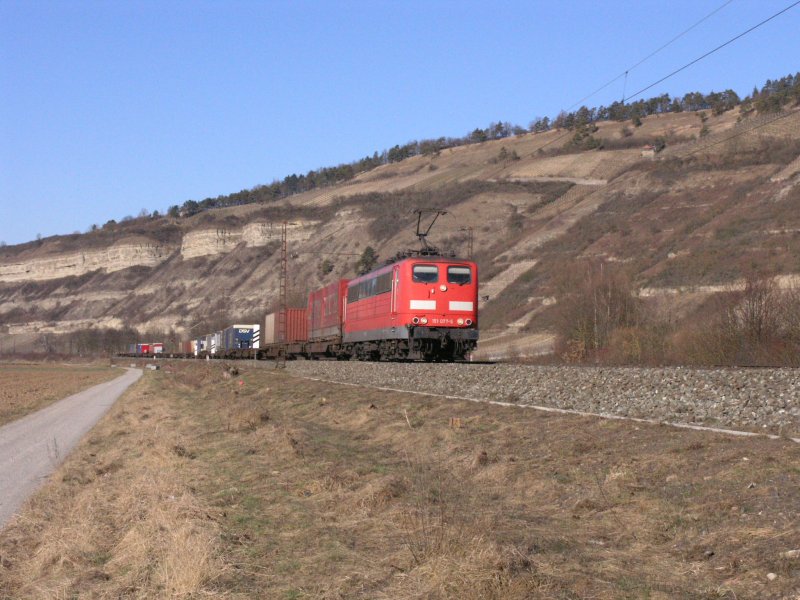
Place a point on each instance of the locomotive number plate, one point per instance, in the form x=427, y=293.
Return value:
x=442, y=321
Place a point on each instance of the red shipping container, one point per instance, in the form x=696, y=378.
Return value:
x=296, y=327
x=185, y=347
x=325, y=308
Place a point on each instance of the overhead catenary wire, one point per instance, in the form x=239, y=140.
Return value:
x=710, y=52
x=682, y=68
x=651, y=55
x=322, y=253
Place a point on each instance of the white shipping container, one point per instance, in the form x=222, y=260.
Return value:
x=216, y=342
x=269, y=329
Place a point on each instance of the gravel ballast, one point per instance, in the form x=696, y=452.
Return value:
x=763, y=400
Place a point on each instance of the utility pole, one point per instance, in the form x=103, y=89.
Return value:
x=280, y=362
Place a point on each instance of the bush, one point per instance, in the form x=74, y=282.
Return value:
x=646, y=344
x=593, y=302
x=758, y=325
x=325, y=267
x=367, y=261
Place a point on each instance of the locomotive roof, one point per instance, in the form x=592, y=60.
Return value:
x=422, y=259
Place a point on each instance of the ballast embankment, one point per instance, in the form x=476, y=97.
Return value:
x=761, y=400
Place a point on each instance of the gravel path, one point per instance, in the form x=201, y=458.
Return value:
x=765, y=400
x=32, y=447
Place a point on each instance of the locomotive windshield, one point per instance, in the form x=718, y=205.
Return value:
x=459, y=275
x=425, y=273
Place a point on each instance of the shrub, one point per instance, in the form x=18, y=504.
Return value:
x=758, y=325
x=367, y=261
x=592, y=303
x=325, y=267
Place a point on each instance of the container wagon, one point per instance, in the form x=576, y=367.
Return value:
x=325, y=316
x=241, y=341
x=296, y=327
x=292, y=344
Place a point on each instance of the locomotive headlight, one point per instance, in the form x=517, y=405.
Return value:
x=460, y=321
x=469, y=322
x=415, y=320
x=443, y=287
x=424, y=320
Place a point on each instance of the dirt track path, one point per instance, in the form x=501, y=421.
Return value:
x=32, y=447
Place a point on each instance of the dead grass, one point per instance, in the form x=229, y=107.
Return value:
x=28, y=387
x=119, y=517
x=278, y=487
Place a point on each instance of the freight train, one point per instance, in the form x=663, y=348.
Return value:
x=415, y=308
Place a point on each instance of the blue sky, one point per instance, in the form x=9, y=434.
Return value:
x=110, y=107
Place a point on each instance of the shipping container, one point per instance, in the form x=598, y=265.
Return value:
x=325, y=308
x=133, y=348
x=296, y=327
x=157, y=348
x=208, y=338
x=241, y=337
x=186, y=347
x=200, y=345
x=143, y=348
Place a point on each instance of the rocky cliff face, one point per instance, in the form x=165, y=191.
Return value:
x=205, y=242
x=122, y=255
x=150, y=253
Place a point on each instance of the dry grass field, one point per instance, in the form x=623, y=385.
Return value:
x=27, y=387
x=263, y=485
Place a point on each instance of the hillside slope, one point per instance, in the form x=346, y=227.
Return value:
x=697, y=214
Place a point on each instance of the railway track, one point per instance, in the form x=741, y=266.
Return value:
x=753, y=400
x=734, y=432
x=738, y=401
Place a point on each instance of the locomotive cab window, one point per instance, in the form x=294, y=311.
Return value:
x=459, y=275
x=425, y=273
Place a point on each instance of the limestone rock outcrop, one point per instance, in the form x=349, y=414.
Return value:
x=204, y=242
x=121, y=255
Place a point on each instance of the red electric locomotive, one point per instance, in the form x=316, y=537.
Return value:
x=419, y=308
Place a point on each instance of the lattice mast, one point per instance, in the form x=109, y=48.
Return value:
x=282, y=337
x=470, y=238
